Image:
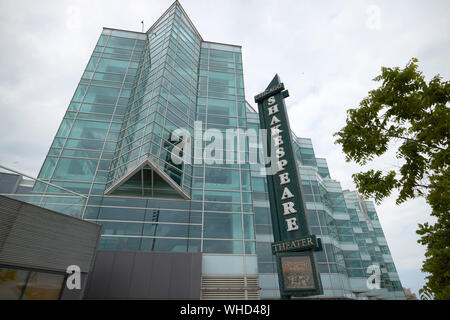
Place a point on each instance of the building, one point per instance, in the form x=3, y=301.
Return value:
x=115, y=147
x=37, y=247
x=409, y=294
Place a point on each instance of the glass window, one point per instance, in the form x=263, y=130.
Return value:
x=79, y=187
x=64, y=128
x=355, y=273
x=330, y=253
x=390, y=267
x=266, y=268
x=262, y=215
x=89, y=129
x=195, y=231
x=43, y=286
x=218, y=264
x=121, y=42
x=238, y=57
x=343, y=223
x=351, y=255
x=231, y=207
x=353, y=263
x=346, y=231
x=116, y=243
x=245, y=180
x=158, y=215
x=222, y=107
x=84, y=144
x=101, y=95
x=102, y=40
x=385, y=249
x=323, y=267
x=349, y=239
x=122, y=228
x=259, y=196
x=332, y=268
x=320, y=256
x=239, y=80
x=92, y=63
x=222, y=179
x=223, y=196
x=222, y=246
x=96, y=108
x=47, y=168
x=213, y=119
x=126, y=34
x=223, y=225
x=127, y=214
x=80, y=153
x=166, y=230
x=259, y=184
x=79, y=93
x=194, y=245
x=264, y=252
x=250, y=247
x=263, y=229
x=249, y=229
x=312, y=218
x=75, y=169
x=108, y=76
x=221, y=55
x=169, y=245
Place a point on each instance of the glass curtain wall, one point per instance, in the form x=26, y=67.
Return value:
x=163, y=100
x=349, y=228
x=83, y=148
x=114, y=143
x=224, y=187
x=137, y=89
x=25, y=284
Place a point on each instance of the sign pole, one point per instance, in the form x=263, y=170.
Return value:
x=293, y=246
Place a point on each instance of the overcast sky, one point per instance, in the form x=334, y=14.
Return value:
x=326, y=53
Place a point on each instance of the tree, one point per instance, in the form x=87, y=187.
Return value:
x=412, y=117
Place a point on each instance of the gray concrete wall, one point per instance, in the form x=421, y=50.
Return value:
x=145, y=275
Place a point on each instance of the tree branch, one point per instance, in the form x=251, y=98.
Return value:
x=409, y=139
x=422, y=186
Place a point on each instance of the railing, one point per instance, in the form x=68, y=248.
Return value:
x=66, y=201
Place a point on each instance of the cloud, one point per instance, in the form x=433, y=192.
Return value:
x=326, y=53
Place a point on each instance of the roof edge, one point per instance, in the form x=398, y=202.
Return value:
x=154, y=167
x=175, y=4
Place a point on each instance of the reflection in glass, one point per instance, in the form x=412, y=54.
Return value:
x=43, y=286
x=11, y=283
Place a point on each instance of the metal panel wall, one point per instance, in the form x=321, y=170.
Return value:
x=145, y=275
x=34, y=237
x=9, y=182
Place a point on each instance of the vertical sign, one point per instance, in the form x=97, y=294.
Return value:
x=293, y=245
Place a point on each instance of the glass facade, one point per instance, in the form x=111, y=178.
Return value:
x=114, y=145
x=351, y=234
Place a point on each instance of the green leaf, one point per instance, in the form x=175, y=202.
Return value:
x=408, y=109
